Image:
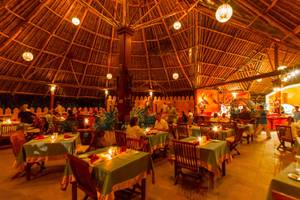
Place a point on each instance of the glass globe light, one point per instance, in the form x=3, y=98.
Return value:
x=224, y=13
x=75, y=21
x=109, y=76
x=175, y=76
x=27, y=56
x=177, y=25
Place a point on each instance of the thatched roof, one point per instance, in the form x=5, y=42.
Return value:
x=202, y=52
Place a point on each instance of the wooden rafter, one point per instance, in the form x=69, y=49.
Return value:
x=147, y=56
x=271, y=21
x=22, y=26
x=174, y=48
x=71, y=43
x=112, y=17
x=89, y=59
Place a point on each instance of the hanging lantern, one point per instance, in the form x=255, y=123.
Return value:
x=52, y=88
x=151, y=93
x=109, y=76
x=75, y=21
x=106, y=92
x=27, y=56
x=224, y=13
x=177, y=25
x=175, y=76
x=234, y=94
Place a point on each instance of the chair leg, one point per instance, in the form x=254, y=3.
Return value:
x=28, y=171
x=237, y=151
x=85, y=197
x=143, y=189
x=74, y=191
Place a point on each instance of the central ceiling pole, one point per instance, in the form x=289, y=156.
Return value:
x=125, y=34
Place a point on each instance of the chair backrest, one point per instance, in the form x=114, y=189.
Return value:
x=82, y=175
x=138, y=144
x=185, y=155
x=238, y=134
x=120, y=138
x=7, y=129
x=17, y=139
x=284, y=132
x=281, y=196
x=182, y=131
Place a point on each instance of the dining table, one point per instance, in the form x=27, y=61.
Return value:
x=220, y=134
x=281, y=183
x=45, y=148
x=116, y=172
x=212, y=155
x=156, y=139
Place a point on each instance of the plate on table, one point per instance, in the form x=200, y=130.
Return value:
x=295, y=176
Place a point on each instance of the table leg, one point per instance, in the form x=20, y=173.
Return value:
x=74, y=191
x=144, y=189
x=28, y=171
x=224, y=168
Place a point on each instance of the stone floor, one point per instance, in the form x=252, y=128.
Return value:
x=248, y=177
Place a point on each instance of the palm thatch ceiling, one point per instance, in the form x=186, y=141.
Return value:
x=203, y=52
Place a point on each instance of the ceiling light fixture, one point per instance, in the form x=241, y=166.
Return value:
x=175, y=76
x=282, y=67
x=109, y=76
x=177, y=25
x=27, y=56
x=224, y=13
x=75, y=21
x=106, y=92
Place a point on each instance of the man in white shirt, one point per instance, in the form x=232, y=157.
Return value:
x=161, y=124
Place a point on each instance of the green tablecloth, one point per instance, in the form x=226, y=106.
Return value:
x=159, y=140
x=283, y=184
x=35, y=149
x=220, y=135
x=223, y=134
x=211, y=154
x=121, y=168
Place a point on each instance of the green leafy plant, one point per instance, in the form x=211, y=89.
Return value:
x=106, y=121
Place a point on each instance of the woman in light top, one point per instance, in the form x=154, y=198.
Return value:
x=161, y=124
x=134, y=130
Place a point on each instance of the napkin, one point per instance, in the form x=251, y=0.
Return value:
x=39, y=137
x=93, y=158
x=67, y=136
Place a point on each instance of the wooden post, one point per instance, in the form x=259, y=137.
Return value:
x=124, y=82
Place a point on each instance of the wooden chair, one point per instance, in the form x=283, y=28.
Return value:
x=120, y=138
x=284, y=134
x=235, y=140
x=138, y=144
x=83, y=178
x=281, y=196
x=182, y=131
x=87, y=143
x=17, y=139
x=185, y=158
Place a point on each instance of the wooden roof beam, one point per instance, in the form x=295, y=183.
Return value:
x=89, y=58
x=22, y=26
x=174, y=48
x=268, y=19
x=147, y=54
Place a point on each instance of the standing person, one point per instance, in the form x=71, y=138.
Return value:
x=262, y=122
x=296, y=114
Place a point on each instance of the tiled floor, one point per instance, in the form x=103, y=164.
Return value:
x=248, y=177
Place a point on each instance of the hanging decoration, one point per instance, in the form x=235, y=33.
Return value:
x=224, y=13
x=75, y=21
x=177, y=25
x=27, y=56
x=175, y=76
x=109, y=76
